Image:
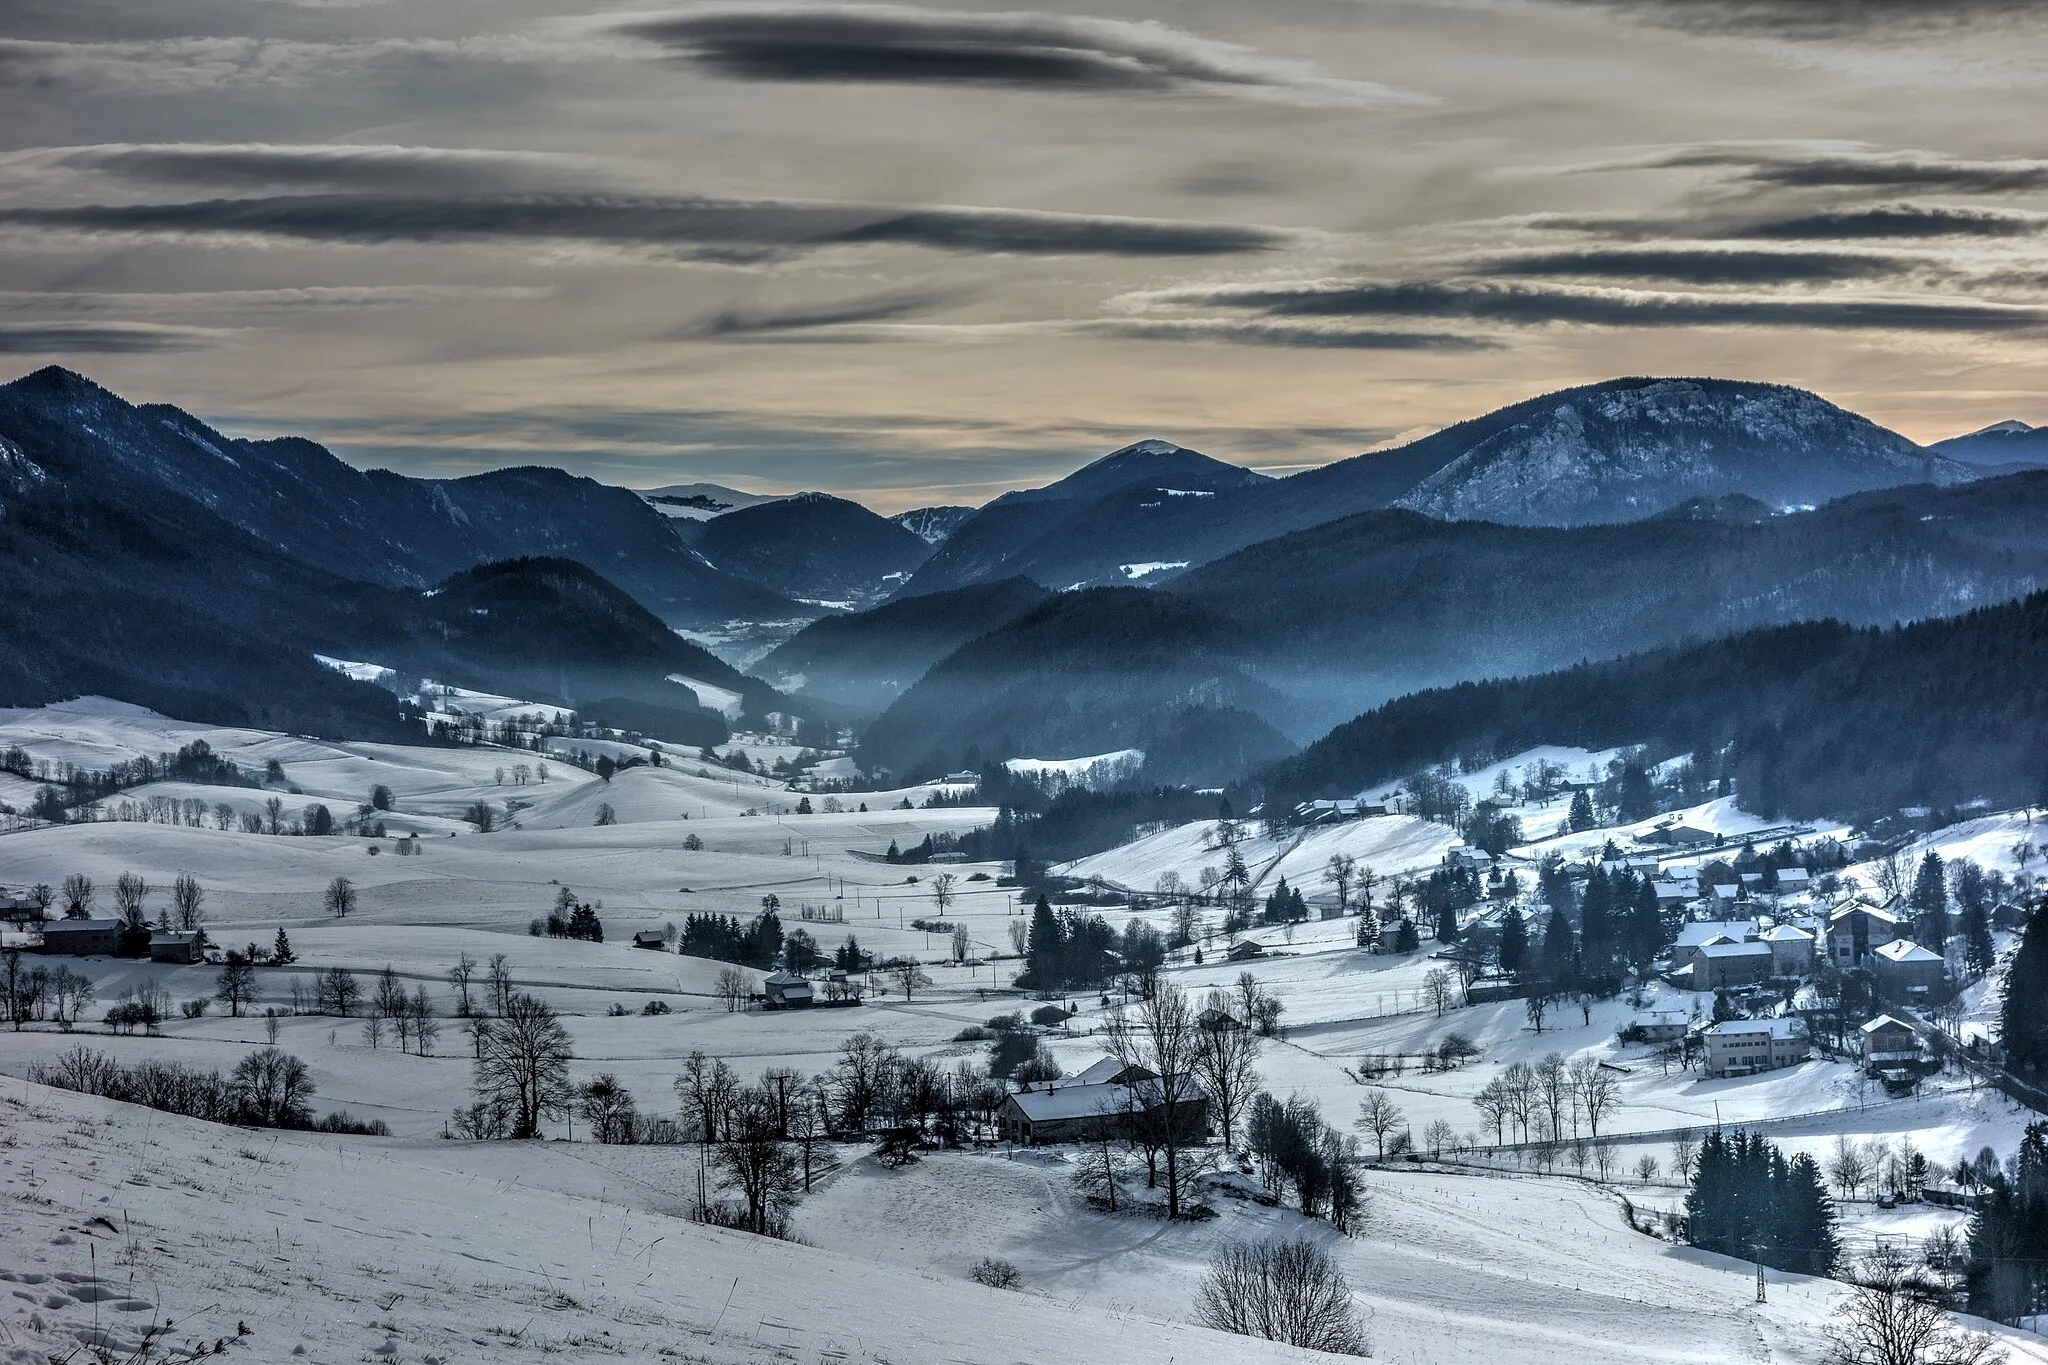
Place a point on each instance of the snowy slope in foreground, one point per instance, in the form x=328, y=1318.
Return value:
x=346, y=1249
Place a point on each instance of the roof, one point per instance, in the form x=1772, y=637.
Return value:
x=1706, y=930
x=1787, y=933
x=1663, y=1017
x=1779, y=1030
x=171, y=938
x=650, y=936
x=1884, y=1021
x=80, y=926
x=1905, y=950
x=1726, y=950
x=1106, y=1069
x=1793, y=874
x=1859, y=907
x=1072, y=1101
x=785, y=977
x=1067, y=1101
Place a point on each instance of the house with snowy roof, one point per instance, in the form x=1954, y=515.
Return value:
x=1744, y=1047
x=1907, y=971
x=1858, y=929
x=1107, y=1099
x=785, y=990
x=1721, y=964
x=1791, y=949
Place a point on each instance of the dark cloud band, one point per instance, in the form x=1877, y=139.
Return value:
x=99, y=339
x=905, y=45
x=1526, y=305
x=1713, y=267
x=729, y=228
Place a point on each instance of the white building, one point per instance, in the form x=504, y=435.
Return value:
x=1791, y=950
x=1743, y=1047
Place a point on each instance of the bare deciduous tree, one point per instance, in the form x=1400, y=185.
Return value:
x=236, y=985
x=500, y=979
x=1894, y=1314
x=1227, y=1065
x=78, y=896
x=1290, y=1291
x=942, y=892
x=1164, y=1038
x=525, y=1065
x=459, y=977
x=186, y=897
x=340, y=897
x=1378, y=1115
x=1440, y=990
x=732, y=986
x=909, y=978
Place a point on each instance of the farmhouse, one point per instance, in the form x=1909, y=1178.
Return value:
x=1888, y=1041
x=1692, y=937
x=1105, y=1100
x=1857, y=930
x=651, y=938
x=1743, y=1047
x=1906, y=971
x=1246, y=950
x=1791, y=950
x=1719, y=964
x=1661, y=1026
x=82, y=937
x=1794, y=880
x=167, y=945
x=785, y=990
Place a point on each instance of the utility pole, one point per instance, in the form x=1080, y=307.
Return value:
x=1756, y=1250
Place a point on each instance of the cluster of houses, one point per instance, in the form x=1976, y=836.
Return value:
x=1737, y=954
x=1731, y=954
x=72, y=937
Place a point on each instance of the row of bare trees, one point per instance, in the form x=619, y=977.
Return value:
x=1538, y=1102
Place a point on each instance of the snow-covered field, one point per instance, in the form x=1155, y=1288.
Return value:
x=465, y=1251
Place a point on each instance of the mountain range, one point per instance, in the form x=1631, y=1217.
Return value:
x=1156, y=598
x=136, y=571
x=1614, y=451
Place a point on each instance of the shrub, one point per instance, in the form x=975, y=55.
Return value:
x=973, y=1033
x=655, y=1007
x=1050, y=1016
x=192, y=1009
x=995, y=1274
x=1284, y=1290
x=1005, y=1023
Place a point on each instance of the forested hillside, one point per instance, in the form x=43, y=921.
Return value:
x=1813, y=719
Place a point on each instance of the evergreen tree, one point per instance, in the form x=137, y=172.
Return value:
x=1596, y=924
x=1514, y=941
x=2023, y=1025
x=1638, y=799
x=1644, y=936
x=1406, y=940
x=1446, y=923
x=1976, y=929
x=1581, y=816
x=1559, y=951
x=1929, y=900
x=1046, y=949
x=281, y=954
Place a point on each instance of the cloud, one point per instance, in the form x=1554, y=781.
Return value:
x=907, y=45
x=714, y=228
x=1237, y=331
x=1893, y=220
x=1542, y=305
x=742, y=323
x=1821, y=19
x=329, y=166
x=1691, y=265
x=59, y=338
x=1903, y=172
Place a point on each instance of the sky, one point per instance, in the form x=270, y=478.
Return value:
x=922, y=254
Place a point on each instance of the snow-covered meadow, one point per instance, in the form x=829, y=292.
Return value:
x=413, y=1248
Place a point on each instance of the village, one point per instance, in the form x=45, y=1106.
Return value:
x=1197, y=1007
